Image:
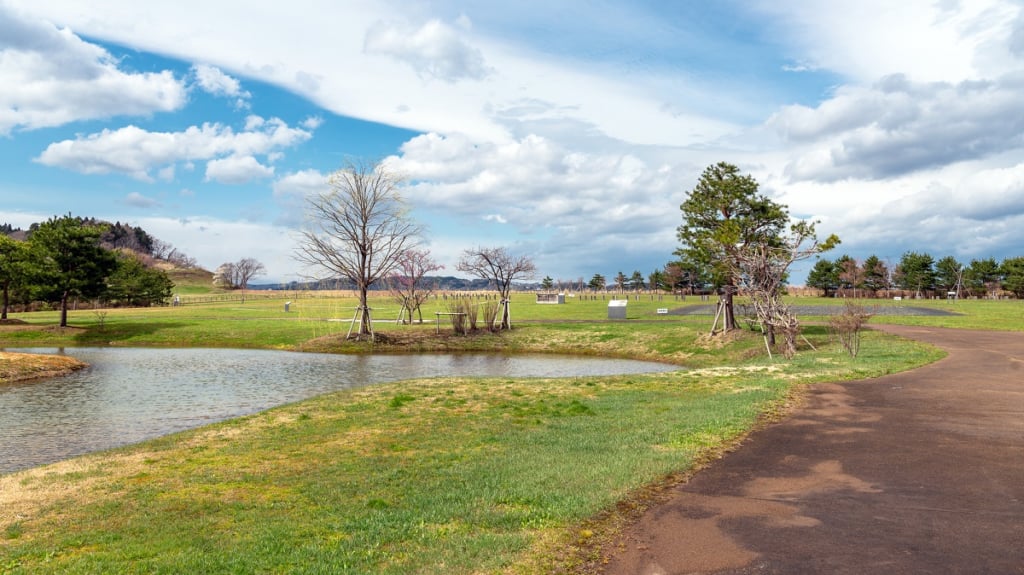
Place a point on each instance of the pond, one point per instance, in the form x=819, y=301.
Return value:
x=132, y=394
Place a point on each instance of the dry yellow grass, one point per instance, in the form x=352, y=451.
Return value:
x=22, y=366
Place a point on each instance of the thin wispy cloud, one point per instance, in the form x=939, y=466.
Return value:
x=137, y=200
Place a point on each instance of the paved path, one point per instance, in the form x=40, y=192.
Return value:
x=918, y=472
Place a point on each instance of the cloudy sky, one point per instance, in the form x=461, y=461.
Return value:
x=569, y=131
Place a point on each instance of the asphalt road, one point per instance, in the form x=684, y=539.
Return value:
x=918, y=472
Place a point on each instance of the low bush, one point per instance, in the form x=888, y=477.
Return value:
x=847, y=325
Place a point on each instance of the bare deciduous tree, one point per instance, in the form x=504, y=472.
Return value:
x=406, y=283
x=160, y=249
x=181, y=259
x=502, y=268
x=246, y=269
x=224, y=275
x=851, y=273
x=846, y=326
x=358, y=229
x=237, y=275
x=761, y=269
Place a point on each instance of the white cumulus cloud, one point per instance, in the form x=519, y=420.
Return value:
x=897, y=126
x=137, y=152
x=434, y=50
x=291, y=191
x=237, y=170
x=51, y=77
x=586, y=204
x=214, y=81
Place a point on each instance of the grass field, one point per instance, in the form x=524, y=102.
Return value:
x=445, y=475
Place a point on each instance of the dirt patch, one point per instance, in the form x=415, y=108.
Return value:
x=720, y=339
x=12, y=321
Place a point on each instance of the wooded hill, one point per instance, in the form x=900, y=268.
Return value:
x=119, y=236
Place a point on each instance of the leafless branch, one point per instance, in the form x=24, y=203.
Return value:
x=502, y=268
x=358, y=228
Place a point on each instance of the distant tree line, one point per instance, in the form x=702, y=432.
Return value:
x=68, y=257
x=434, y=282
x=919, y=275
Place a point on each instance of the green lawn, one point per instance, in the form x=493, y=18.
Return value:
x=445, y=475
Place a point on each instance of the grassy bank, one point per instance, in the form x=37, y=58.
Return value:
x=443, y=475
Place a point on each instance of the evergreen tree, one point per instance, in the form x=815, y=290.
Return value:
x=657, y=281
x=1012, y=270
x=948, y=274
x=916, y=272
x=15, y=261
x=876, y=274
x=983, y=276
x=824, y=276
x=73, y=261
x=723, y=215
x=636, y=281
x=133, y=284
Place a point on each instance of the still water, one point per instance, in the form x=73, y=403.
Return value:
x=131, y=394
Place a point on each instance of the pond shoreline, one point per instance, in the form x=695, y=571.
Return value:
x=130, y=395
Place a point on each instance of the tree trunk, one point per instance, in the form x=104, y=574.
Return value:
x=3, y=313
x=364, y=316
x=506, y=319
x=64, y=309
x=730, y=316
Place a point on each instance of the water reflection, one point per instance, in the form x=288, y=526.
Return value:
x=128, y=395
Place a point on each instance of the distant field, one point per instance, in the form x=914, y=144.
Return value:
x=259, y=319
x=827, y=309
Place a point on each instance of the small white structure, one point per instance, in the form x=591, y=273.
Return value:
x=555, y=298
x=617, y=309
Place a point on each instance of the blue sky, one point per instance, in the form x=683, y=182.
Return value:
x=569, y=131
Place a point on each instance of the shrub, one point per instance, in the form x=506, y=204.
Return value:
x=471, y=310
x=491, y=309
x=847, y=325
x=458, y=316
